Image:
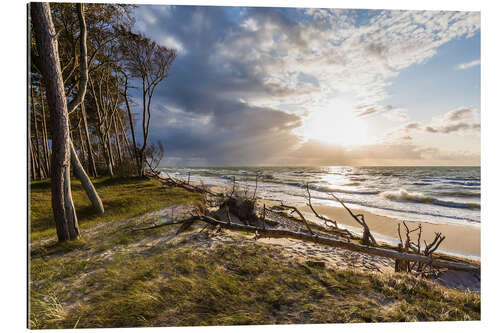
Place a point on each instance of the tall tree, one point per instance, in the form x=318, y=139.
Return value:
x=150, y=63
x=77, y=166
x=62, y=201
x=69, y=20
x=90, y=152
x=131, y=120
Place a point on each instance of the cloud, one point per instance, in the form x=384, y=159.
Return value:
x=458, y=120
x=245, y=78
x=173, y=43
x=400, y=153
x=388, y=111
x=249, y=136
x=463, y=120
x=470, y=64
x=396, y=115
x=416, y=125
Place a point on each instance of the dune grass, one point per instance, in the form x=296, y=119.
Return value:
x=121, y=197
x=106, y=280
x=231, y=285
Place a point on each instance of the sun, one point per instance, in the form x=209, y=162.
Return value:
x=336, y=126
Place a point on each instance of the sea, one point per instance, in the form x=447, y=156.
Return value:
x=449, y=195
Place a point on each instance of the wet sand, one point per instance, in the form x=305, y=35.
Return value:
x=462, y=239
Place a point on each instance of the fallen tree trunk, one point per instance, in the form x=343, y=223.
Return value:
x=185, y=185
x=279, y=233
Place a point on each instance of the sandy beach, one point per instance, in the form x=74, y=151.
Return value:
x=461, y=239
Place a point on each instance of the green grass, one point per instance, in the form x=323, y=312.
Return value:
x=102, y=280
x=121, y=197
x=231, y=285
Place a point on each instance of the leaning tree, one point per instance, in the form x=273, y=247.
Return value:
x=48, y=61
x=149, y=63
x=74, y=74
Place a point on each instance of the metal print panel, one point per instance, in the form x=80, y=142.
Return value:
x=206, y=165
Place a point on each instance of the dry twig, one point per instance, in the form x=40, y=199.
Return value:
x=360, y=218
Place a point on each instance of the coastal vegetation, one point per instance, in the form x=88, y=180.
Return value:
x=122, y=278
x=112, y=244
x=82, y=58
x=123, y=197
x=158, y=276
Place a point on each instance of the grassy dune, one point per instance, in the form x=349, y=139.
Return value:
x=121, y=197
x=116, y=278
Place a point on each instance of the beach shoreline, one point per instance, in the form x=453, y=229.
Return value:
x=462, y=240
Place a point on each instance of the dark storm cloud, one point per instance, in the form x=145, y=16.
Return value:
x=202, y=78
x=212, y=122
x=231, y=61
x=249, y=135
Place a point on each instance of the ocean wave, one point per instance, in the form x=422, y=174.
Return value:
x=322, y=188
x=359, y=179
x=405, y=196
x=328, y=189
x=464, y=183
x=471, y=179
x=464, y=194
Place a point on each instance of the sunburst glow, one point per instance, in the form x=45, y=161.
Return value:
x=336, y=126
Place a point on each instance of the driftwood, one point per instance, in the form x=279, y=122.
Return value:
x=302, y=218
x=185, y=185
x=377, y=251
x=360, y=218
x=419, y=259
x=155, y=226
x=256, y=186
x=326, y=220
x=409, y=246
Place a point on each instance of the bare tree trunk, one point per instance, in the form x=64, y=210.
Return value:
x=144, y=129
x=117, y=141
x=107, y=157
x=80, y=136
x=105, y=152
x=45, y=143
x=39, y=159
x=110, y=151
x=32, y=160
x=127, y=143
x=90, y=154
x=73, y=229
x=86, y=183
x=102, y=139
x=131, y=122
x=36, y=165
x=141, y=163
x=79, y=100
x=62, y=201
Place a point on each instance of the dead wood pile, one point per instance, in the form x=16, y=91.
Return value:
x=242, y=213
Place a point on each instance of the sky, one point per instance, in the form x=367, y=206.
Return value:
x=298, y=86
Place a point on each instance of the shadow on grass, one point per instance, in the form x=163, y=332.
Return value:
x=123, y=197
x=58, y=248
x=106, y=181
x=40, y=185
